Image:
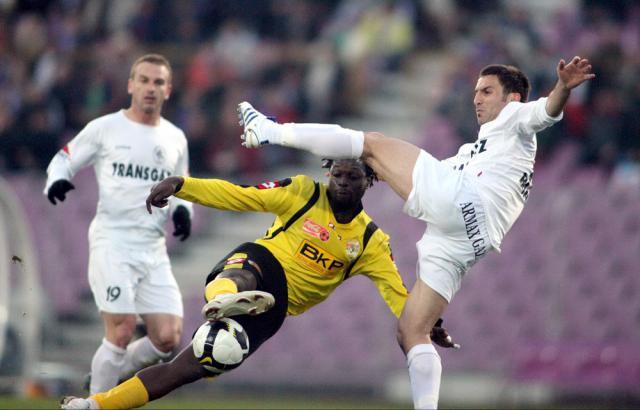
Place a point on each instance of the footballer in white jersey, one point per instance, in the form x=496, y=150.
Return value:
x=128, y=158
x=469, y=201
x=501, y=162
x=129, y=270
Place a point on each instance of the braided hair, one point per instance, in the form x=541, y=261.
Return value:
x=368, y=171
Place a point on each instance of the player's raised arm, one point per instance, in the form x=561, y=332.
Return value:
x=160, y=192
x=570, y=75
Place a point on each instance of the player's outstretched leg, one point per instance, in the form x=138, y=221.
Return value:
x=326, y=140
x=250, y=302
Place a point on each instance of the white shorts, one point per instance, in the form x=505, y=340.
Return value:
x=135, y=280
x=456, y=235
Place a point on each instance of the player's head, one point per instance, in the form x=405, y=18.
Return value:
x=497, y=86
x=149, y=83
x=348, y=181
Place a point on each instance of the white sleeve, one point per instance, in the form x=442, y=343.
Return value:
x=532, y=117
x=182, y=169
x=76, y=154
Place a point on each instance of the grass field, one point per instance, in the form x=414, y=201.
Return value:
x=177, y=402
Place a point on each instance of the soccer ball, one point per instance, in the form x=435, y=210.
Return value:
x=220, y=345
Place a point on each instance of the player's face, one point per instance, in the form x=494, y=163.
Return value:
x=347, y=183
x=149, y=87
x=489, y=98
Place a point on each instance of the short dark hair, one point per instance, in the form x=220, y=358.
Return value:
x=512, y=79
x=368, y=171
x=158, y=59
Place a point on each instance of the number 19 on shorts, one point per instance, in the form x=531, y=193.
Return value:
x=113, y=293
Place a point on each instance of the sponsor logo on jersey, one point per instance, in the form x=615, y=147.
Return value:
x=315, y=229
x=353, y=248
x=473, y=229
x=139, y=172
x=159, y=156
x=318, y=259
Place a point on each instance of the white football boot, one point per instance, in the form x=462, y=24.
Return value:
x=78, y=403
x=254, y=123
x=250, y=302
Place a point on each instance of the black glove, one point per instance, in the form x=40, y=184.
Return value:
x=440, y=336
x=58, y=190
x=181, y=222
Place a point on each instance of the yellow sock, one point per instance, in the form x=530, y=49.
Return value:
x=218, y=287
x=126, y=395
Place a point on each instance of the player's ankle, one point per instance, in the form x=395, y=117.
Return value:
x=272, y=131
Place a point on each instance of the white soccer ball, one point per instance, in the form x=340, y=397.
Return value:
x=220, y=345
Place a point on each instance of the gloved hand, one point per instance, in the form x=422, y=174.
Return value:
x=181, y=223
x=440, y=336
x=58, y=190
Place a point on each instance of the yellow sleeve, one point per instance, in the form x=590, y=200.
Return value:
x=275, y=196
x=377, y=264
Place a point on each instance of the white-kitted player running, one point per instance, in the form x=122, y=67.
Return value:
x=129, y=269
x=469, y=201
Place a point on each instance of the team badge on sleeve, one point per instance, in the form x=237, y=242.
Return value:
x=274, y=184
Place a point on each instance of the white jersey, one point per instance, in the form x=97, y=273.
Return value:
x=501, y=162
x=128, y=158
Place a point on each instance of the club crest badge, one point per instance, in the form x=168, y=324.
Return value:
x=315, y=229
x=159, y=156
x=353, y=248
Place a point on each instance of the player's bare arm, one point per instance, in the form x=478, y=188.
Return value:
x=160, y=192
x=570, y=75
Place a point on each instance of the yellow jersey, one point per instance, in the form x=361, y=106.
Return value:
x=316, y=252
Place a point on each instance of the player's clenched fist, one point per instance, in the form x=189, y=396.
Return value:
x=160, y=192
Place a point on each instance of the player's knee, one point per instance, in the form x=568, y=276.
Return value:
x=371, y=140
x=167, y=338
x=401, y=337
x=408, y=335
x=121, y=335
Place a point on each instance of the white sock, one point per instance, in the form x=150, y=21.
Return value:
x=140, y=354
x=425, y=370
x=105, y=367
x=324, y=140
x=93, y=404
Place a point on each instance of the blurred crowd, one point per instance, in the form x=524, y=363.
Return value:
x=65, y=62
x=602, y=117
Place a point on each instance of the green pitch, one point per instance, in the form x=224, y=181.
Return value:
x=8, y=402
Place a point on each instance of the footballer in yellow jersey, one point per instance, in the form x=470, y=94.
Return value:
x=317, y=249
x=321, y=236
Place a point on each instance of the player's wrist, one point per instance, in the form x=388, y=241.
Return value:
x=177, y=183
